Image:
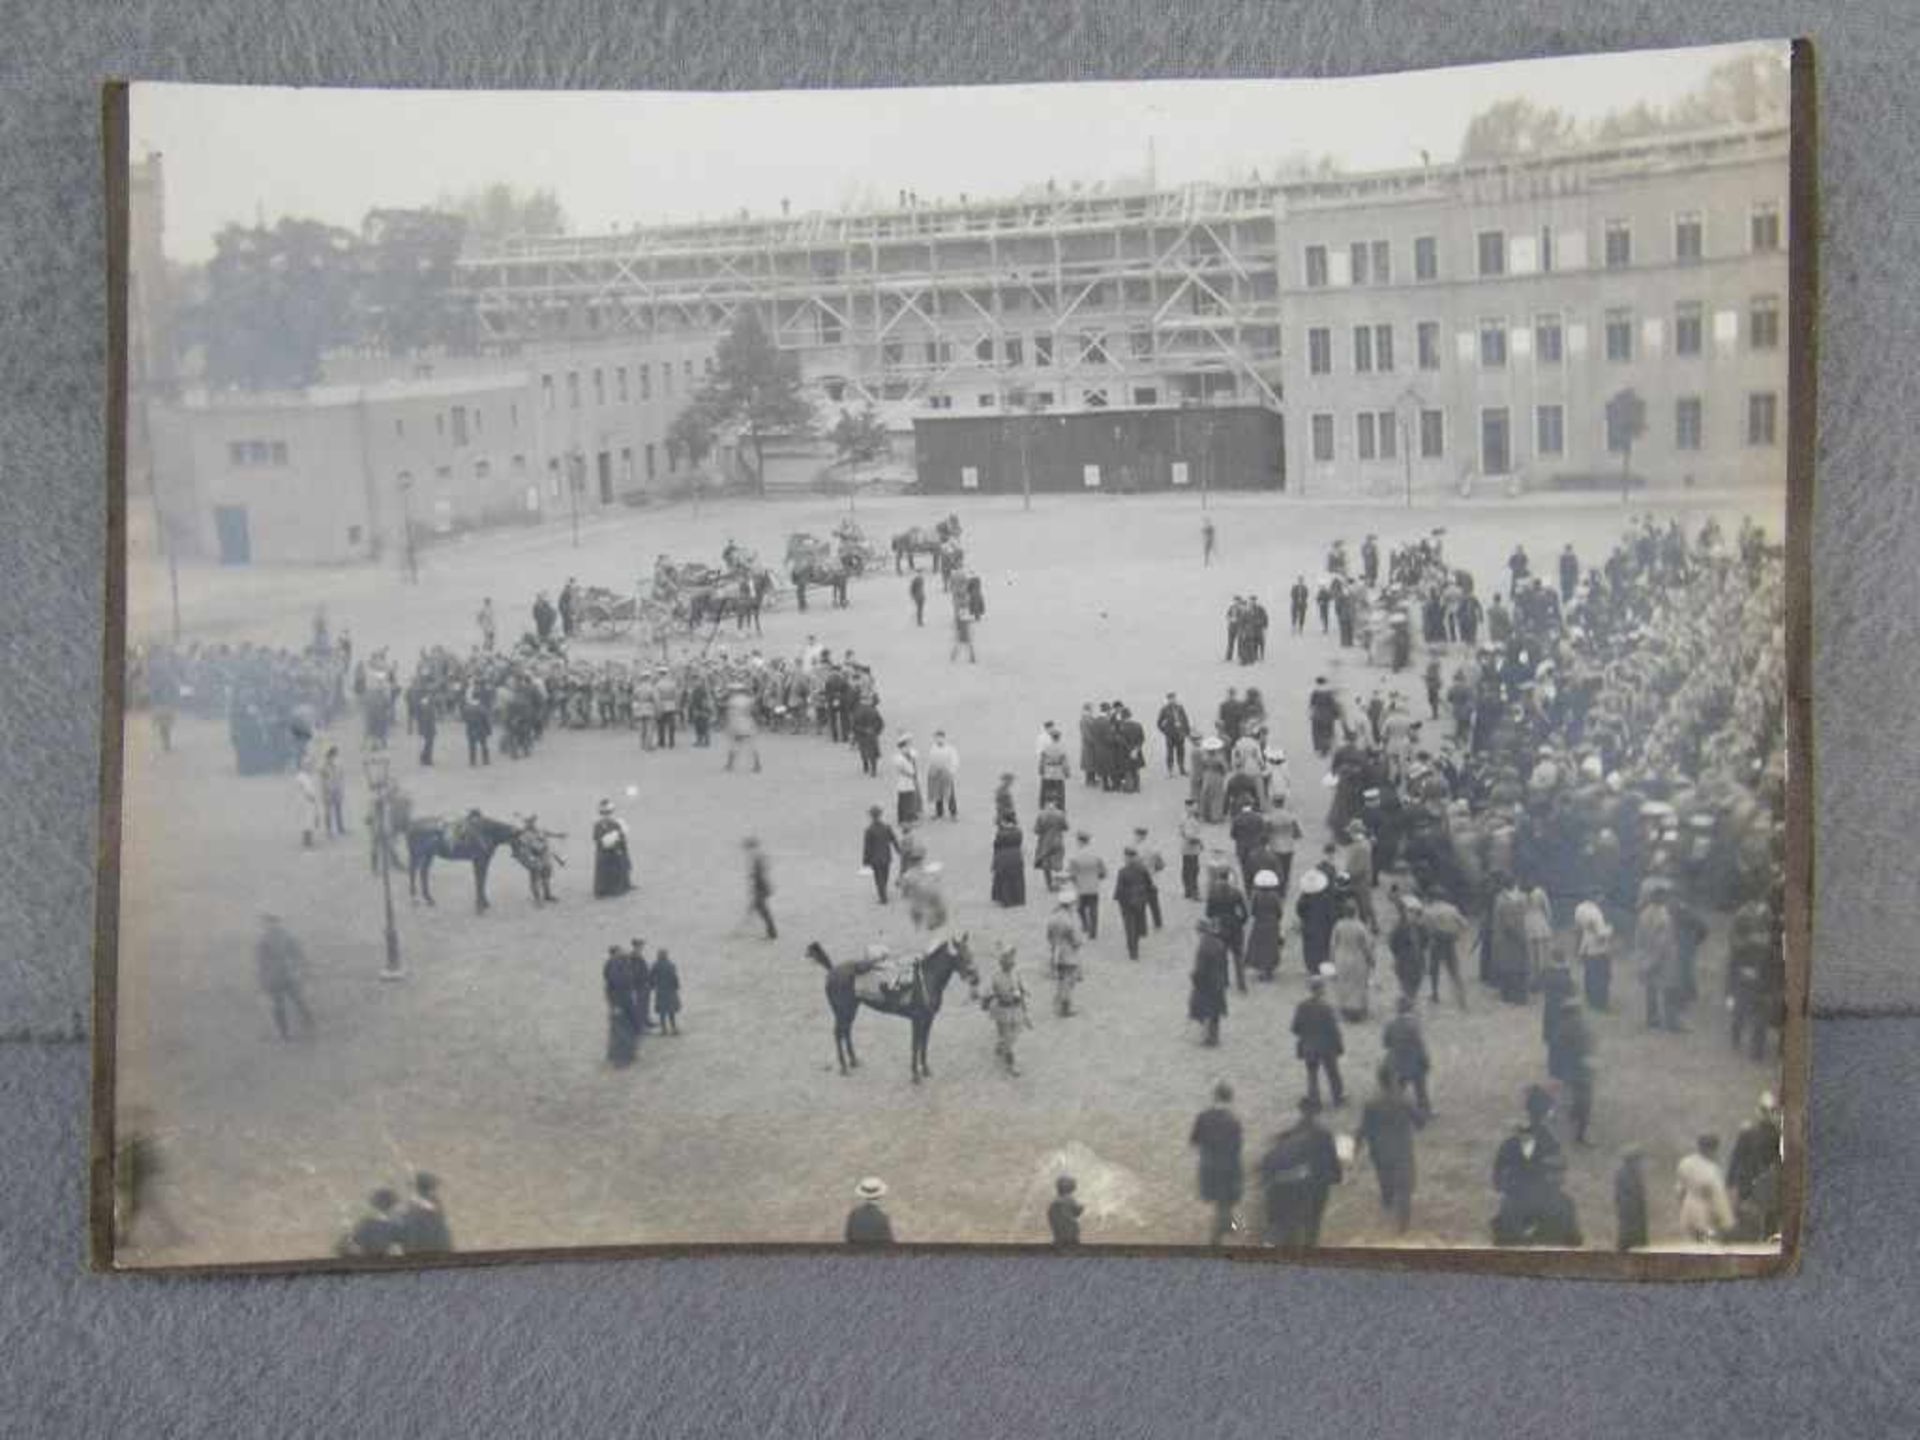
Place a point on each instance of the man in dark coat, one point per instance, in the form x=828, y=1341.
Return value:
x=1528, y=1170
x=878, y=845
x=1216, y=1134
x=1298, y=1174
x=1386, y=1131
x=1323, y=709
x=1318, y=909
x=624, y=1026
x=917, y=591
x=1407, y=1059
x=1569, y=573
x=543, y=617
x=1176, y=729
x=1207, y=1003
x=1297, y=599
x=1226, y=907
x=1063, y=1215
x=1570, y=1061
x=479, y=722
x=1131, y=888
x=867, y=1223
x=1318, y=1043
x=666, y=992
x=1753, y=1173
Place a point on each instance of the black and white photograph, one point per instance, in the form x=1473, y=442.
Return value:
x=1158, y=665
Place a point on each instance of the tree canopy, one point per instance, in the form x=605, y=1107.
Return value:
x=499, y=212
x=756, y=390
x=859, y=438
x=276, y=300
x=406, y=279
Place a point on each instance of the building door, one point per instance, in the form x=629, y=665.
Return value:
x=230, y=524
x=1496, y=446
x=605, y=461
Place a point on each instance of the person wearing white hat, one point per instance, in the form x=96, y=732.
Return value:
x=867, y=1224
x=612, y=860
x=1267, y=906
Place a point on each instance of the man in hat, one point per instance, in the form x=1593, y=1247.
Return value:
x=1006, y=1004
x=1055, y=765
x=1216, y=1135
x=1207, y=540
x=1049, y=841
x=1528, y=1171
x=1630, y=1200
x=1406, y=1054
x=1175, y=729
x=1298, y=1174
x=278, y=961
x=1317, y=1040
x=878, y=845
x=906, y=781
x=1087, y=870
x=1754, y=1170
x=759, y=885
x=867, y=1223
x=532, y=850
x=1387, y=1124
x=1191, y=847
x=1063, y=952
x=943, y=770
x=1063, y=1215
x=1132, y=888
x=917, y=592
x=1151, y=858
x=1323, y=711
x=1297, y=599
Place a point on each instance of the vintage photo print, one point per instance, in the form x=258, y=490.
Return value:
x=1204, y=666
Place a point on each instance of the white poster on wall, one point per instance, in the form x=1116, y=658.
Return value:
x=1179, y=472
x=1090, y=477
x=969, y=477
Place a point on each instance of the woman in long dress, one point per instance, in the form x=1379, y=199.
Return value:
x=1352, y=964
x=1539, y=931
x=612, y=862
x=1263, y=936
x=1009, y=867
x=1213, y=787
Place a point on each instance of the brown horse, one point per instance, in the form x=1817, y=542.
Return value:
x=917, y=1000
x=473, y=840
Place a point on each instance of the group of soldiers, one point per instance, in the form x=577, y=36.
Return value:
x=273, y=700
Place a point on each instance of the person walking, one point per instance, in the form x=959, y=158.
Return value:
x=1192, y=845
x=1657, y=949
x=1227, y=908
x=917, y=592
x=1407, y=1059
x=666, y=992
x=624, y=1026
x=1387, y=1124
x=1063, y=1215
x=1063, y=952
x=278, y=961
x=759, y=885
x=1706, y=1212
x=1050, y=843
x=1593, y=945
x=1006, y=1004
x=1131, y=889
x=1207, y=1000
x=1150, y=857
x=1263, y=936
x=1570, y=1061
x=1298, y=1174
x=426, y=719
x=878, y=845
x=486, y=622
x=307, y=794
x=742, y=730
x=962, y=635
x=1445, y=929
x=1318, y=1042
x=1315, y=909
x=1216, y=1134
x=867, y=1223
x=333, y=792
x=1208, y=541
x=1352, y=945
x=943, y=770
x=1087, y=870
x=1055, y=765
x=906, y=781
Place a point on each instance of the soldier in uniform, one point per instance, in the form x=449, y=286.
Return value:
x=534, y=852
x=1063, y=952
x=1006, y=1004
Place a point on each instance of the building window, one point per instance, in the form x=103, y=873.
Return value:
x=983, y=350
x=1140, y=342
x=546, y=393
x=1619, y=335
x=934, y=347
x=1762, y=416
x=459, y=425
x=1549, y=430
x=1319, y=351
x=1095, y=399
x=1093, y=347
x=1764, y=226
x=986, y=400
x=553, y=478
x=1763, y=323
x=1496, y=443
x=1548, y=340
x=1043, y=399
x=1043, y=350
x=1363, y=434
x=573, y=389
x=1426, y=337
x=1316, y=266
x=1323, y=438
x=620, y=383
x=1362, y=349
x=1357, y=261
x=1426, y=258
x=1619, y=238
x=1493, y=344
x=1383, y=348
x=666, y=377
x=1688, y=233
x=1687, y=328
x=646, y=382
x=1686, y=423
x=599, y=386
x=652, y=462
x=1016, y=351
x=1388, y=428
x=626, y=465
x=1546, y=249
x=939, y=402
x=1146, y=395
x=1382, y=263
x=1433, y=434
x=1493, y=252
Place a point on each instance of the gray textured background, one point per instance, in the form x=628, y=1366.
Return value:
x=990, y=1347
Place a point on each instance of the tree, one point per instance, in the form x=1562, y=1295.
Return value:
x=496, y=213
x=755, y=388
x=1626, y=423
x=859, y=440
x=691, y=433
x=407, y=279
x=1516, y=127
x=276, y=300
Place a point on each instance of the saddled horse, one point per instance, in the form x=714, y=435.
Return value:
x=909, y=545
x=739, y=603
x=473, y=839
x=917, y=998
x=827, y=574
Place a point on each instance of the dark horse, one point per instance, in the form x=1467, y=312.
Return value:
x=829, y=575
x=474, y=839
x=909, y=545
x=917, y=1000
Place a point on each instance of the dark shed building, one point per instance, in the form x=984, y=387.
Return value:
x=1221, y=447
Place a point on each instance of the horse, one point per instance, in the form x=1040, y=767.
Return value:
x=739, y=604
x=909, y=545
x=917, y=1001
x=474, y=839
x=833, y=576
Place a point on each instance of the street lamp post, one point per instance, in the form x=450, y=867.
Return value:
x=379, y=768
